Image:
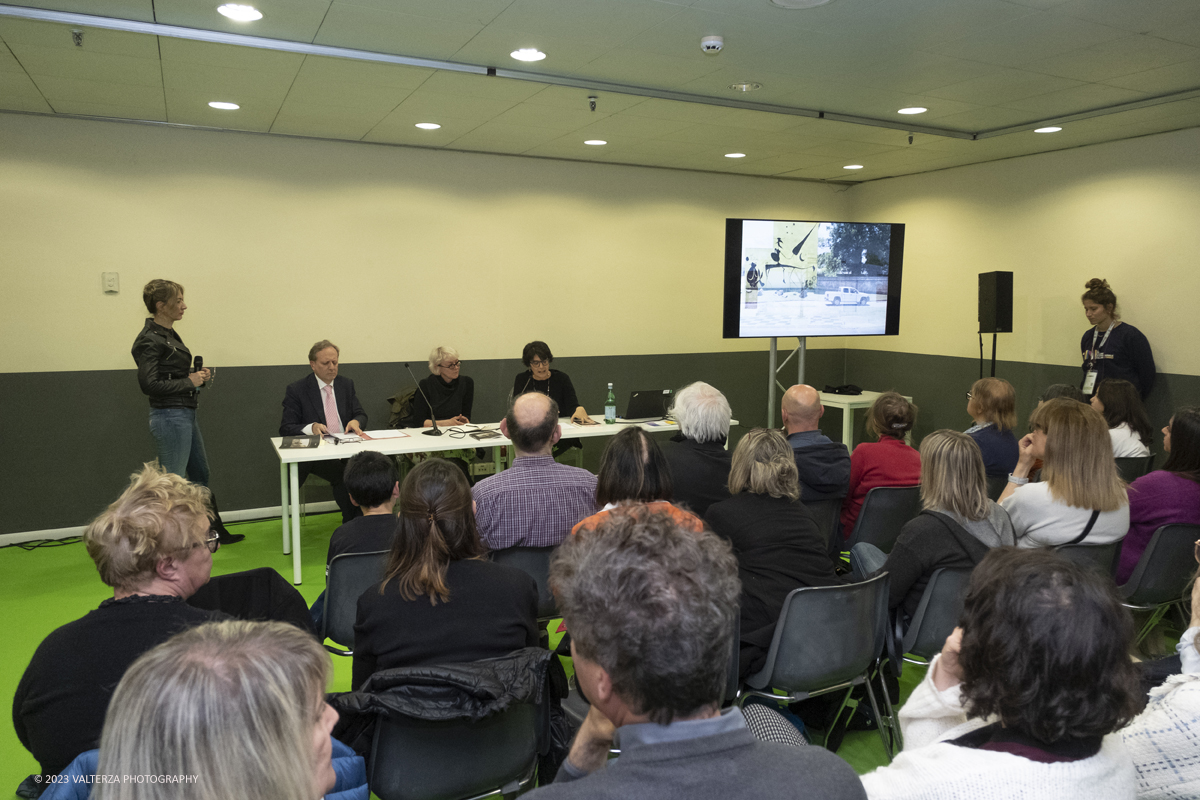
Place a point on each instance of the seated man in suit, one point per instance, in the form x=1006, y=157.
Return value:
x=824, y=464
x=321, y=403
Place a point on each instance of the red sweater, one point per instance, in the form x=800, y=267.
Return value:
x=888, y=462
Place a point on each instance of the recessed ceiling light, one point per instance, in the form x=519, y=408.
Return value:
x=428, y=126
x=745, y=87
x=239, y=13
x=913, y=110
x=853, y=166
x=799, y=3
x=595, y=141
x=1049, y=129
x=528, y=54
x=735, y=155
x=225, y=106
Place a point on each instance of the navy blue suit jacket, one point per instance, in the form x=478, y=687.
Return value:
x=302, y=405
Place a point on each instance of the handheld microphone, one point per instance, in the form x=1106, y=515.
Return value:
x=432, y=417
x=197, y=365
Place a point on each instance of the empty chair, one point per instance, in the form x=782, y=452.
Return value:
x=941, y=605
x=1098, y=556
x=535, y=562
x=995, y=486
x=1162, y=574
x=883, y=514
x=1134, y=467
x=350, y=574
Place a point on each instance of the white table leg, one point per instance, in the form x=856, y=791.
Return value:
x=848, y=428
x=283, y=506
x=294, y=476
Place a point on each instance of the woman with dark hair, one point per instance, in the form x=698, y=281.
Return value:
x=440, y=601
x=1112, y=348
x=1168, y=495
x=778, y=544
x=992, y=403
x=888, y=462
x=1026, y=698
x=1128, y=425
x=538, y=377
x=634, y=470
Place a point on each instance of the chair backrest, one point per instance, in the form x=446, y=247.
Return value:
x=535, y=562
x=732, y=676
x=995, y=486
x=419, y=760
x=826, y=513
x=883, y=514
x=1102, y=557
x=1134, y=467
x=1166, y=566
x=826, y=636
x=938, y=612
x=350, y=574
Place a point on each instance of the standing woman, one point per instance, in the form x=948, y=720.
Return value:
x=166, y=376
x=1112, y=348
x=451, y=393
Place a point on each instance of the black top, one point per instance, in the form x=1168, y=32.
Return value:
x=369, y=533
x=699, y=472
x=558, y=387
x=779, y=548
x=1125, y=355
x=59, y=707
x=449, y=399
x=999, y=448
x=927, y=543
x=164, y=363
x=492, y=611
x=824, y=466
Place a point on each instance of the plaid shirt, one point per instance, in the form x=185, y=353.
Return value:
x=534, y=503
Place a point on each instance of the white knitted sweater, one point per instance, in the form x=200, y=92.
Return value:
x=929, y=768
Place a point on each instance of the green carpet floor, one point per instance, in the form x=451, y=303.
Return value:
x=46, y=587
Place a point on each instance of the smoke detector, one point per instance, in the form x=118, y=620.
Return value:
x=711, y=45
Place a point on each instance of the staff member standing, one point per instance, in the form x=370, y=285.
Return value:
x=1112, y=348
x=165, y=375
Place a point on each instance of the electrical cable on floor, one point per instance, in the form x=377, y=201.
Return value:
x=44, y=543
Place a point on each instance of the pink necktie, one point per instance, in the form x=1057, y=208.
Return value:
x=331, y=416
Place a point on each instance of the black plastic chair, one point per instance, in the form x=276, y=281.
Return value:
x=535, y=562
x=420, y=760
x=995, y=486
x=350, y=574
x=1130, y=469
x=1101, y=557
x=936, y=615
x=1163, y=573
x=883, y=514
x=828, y=639
x=827, y=513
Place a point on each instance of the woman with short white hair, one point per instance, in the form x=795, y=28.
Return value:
x=450, y=393
x=698, y=457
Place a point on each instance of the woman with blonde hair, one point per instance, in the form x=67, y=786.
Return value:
x=778, y=545
x=992, y=404
x=887, y=462
x=440, y=601
x=1081, y=498
x=957, y=527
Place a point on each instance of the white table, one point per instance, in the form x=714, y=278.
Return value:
x=415, y=442
x=848, y=403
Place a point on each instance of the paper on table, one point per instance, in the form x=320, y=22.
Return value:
x=387, y=433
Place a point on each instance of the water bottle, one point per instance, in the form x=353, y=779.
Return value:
x=610, y=407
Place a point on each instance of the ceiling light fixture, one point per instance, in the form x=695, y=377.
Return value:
x=799, y=3
x=428, y=126
x=735, y=155
x=745, y=87
x=224, y=106
x=239, y=13
x=595, y=142
x=1048, y=129
x=913, y=110
x=853, y=166
x=528, y=54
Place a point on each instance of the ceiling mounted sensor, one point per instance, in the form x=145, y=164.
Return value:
x=745, y=87
x=800, y=3
x=239, y=13
x=711, y=45
x=528, y=54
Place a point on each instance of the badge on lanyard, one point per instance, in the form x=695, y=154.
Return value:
x=1092, y=359
x=1089, y=383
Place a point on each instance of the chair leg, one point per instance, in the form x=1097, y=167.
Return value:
x=837, y=716
x=893, y=720
x=879, y=723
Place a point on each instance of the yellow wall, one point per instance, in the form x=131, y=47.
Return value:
x=1126, y=211
x=385, y=250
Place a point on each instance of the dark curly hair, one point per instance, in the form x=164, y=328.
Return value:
x=1045, y=647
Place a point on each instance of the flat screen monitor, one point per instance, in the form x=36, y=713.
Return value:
x=812, y=278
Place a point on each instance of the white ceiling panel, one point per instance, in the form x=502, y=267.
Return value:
x=78, y=90
x=1003, y=87
x=1044, y=34
x=140, y=10
x=1164, y=80
x=19, y=92
x=186, y=107
x=88, y=64
x=386, y=31
x=152, y=112
x=294, y=20
x=1127, y=56
x=1075, y=99
x=493, y=137
x=95, y=40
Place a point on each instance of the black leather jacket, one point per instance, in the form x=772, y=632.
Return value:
x=164, y=363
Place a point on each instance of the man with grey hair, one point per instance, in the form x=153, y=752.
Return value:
x=537, y=501
x=698, y=458
x=824, y=464
x=651, y=609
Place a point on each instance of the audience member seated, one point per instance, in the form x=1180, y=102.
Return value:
x=1168, y=495
x=537, y=501
x=441, y=602
x=153, y=545
x=651, y=607
x=778, y=545
x=1067, y=390
x=1081, y=498
x=452, y=394
x=888, y=462
x=634, y=472
x=956, y=529
x=697, y=456
x=823, y=464
x=1026, y=697
x=1162, y=739
x=373, y=484
x=992, y=403
x=1121, y=405
x=239, y=705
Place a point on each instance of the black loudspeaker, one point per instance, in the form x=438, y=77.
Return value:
x=995, y=302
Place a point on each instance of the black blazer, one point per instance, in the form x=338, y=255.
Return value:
x=302, y=405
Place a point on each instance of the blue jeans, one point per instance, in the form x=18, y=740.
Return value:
x=180, y=446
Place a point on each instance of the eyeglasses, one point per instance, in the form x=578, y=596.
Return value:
x=539, y=363
x=212, y=541
x=970, y=396
x=452, y=365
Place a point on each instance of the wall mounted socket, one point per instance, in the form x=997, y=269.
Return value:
x=111, y=282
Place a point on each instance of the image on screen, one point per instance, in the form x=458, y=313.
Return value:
x=796, y=278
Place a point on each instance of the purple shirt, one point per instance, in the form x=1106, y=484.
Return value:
x=1156, y=499
x=534, y=503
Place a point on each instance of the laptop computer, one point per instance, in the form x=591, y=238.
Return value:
x=648, y=404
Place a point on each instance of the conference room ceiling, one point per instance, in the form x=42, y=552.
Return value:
x=988, y=71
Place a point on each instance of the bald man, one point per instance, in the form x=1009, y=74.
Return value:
x=824, y=464
x=537, y=501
